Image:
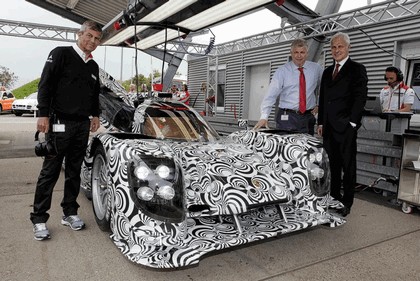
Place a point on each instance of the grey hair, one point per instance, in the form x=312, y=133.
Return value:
x=343, y=36
x=89, y=24
x=299, y=43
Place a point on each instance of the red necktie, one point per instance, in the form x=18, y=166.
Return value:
x=337, y=66
x=302, y=91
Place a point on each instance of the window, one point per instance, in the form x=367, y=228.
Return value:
x=221, y=82
x=217, y=83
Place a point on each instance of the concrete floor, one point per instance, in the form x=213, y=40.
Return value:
x=379, y=242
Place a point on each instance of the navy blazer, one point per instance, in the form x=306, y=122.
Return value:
x=343, y=99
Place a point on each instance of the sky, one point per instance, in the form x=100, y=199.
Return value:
x=26, y=57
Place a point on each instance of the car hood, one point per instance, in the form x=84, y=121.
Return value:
x=226, y=177
x=31, y=102
x=232, y=175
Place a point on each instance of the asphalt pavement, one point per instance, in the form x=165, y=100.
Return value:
x=379, y=241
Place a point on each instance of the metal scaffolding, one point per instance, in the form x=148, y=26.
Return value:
x=319, y=27
x=37, y=31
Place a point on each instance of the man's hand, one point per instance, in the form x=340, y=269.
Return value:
x=43, y=124
x=319, y=130
x=315, y=110
x=261, y=123
x=94, y=124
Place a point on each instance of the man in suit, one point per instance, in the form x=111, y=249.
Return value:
x=342, y=98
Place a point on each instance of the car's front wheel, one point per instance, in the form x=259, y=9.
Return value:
x=18, y=113
x=101, y=196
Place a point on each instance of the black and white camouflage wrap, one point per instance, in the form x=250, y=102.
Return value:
x=254, y=184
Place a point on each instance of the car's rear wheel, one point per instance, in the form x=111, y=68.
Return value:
x=101, y=190
x=1, y=109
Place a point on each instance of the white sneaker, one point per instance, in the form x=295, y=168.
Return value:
x=41, y=232
x=74, y=221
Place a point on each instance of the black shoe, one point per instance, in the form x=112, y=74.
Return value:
x=343, y=211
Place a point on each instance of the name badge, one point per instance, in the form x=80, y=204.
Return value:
x=284, y=117
x=59, y=128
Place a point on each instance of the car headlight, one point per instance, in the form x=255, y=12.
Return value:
x=141, y=172
x=166, y=192
x=315, y=157
x=157, y=187
x=319, y=171
x=163, y=171
x=145, y=193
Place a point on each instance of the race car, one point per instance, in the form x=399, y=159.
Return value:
x=169, y=189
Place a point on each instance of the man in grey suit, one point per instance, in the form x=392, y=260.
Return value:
x=342, y=99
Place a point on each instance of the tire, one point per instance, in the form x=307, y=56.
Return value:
x=101, y=190
x=18, y=113
x=377, y=190
x=1, y=109
x=407, y=209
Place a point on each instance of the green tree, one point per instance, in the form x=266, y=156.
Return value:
x=7, y=78
x=142, y=79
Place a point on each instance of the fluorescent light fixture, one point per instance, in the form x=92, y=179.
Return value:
x=216, y=13
x=163, y=12
x=121, y=37
x=157, y=39
x=166, y=10
x=220, y=12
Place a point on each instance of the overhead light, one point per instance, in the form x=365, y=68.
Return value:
x=158, y=38
x=166, y=10
x=222, y=11
x=163, y=12
x=120, y=37
x=71, y=4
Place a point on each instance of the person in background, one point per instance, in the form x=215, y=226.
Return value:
x=184, y=95
x=68, y=95
x=396, y=96
x=132, y=93
x=296, y=83
x=173, y=89
x=144, y=91
x=342, y=98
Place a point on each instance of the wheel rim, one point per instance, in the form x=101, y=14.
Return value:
x=406, y=208
x=100, y=187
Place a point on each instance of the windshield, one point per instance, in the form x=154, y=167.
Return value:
x=32, y=96
x=177, y=123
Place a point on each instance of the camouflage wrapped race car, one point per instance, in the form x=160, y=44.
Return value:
x=169, y=189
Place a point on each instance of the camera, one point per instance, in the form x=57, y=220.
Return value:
x=45, y=148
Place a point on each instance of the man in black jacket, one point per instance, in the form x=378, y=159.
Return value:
x=68, y=95
x=342, y=99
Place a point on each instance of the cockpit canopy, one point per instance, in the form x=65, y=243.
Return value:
x=172, y=120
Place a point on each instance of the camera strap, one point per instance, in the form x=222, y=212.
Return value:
x=37, y=136
x=48, y=136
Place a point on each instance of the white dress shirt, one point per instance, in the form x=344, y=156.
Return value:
x=285, y=83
